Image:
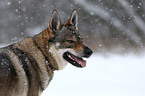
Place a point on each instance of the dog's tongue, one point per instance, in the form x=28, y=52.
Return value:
x=80, y=61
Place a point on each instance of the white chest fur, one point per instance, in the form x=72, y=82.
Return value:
x=58, y=56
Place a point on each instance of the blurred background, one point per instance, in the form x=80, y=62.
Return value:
x=108, y=26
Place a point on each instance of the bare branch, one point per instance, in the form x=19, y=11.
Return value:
x=129, y=10
x=107, y=17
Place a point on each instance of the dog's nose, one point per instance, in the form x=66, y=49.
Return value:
x=88, y=52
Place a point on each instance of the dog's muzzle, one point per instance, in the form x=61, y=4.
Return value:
x=78, y=61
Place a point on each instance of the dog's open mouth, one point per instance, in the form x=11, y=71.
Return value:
x=74, y=60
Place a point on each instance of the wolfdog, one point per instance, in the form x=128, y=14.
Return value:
x=27, y=67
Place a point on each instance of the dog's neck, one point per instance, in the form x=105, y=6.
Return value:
x=29, y=47
x=38, y=47
x=42, y=41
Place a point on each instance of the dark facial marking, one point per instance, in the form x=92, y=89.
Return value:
x=75, y=33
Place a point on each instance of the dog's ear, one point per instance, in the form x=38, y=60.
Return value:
x=73, y=20
x=55, y=22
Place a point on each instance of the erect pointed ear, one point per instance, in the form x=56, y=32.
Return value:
x=73, y=19
x=55, y=22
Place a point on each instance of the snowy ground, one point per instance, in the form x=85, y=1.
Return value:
x=114, y=75
x=104, y=76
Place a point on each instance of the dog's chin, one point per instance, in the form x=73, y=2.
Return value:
x=74, y=60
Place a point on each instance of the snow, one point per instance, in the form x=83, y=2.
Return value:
x=114, y=75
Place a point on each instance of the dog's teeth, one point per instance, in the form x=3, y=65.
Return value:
x=70, y=57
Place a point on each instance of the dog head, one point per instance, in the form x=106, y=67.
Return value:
x=66, y=44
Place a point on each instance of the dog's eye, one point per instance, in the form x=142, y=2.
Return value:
x=70, y=41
